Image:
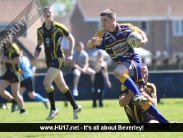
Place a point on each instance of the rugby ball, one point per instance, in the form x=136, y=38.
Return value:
x=134, y=39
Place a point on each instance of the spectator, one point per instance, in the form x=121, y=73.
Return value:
x=80, y=65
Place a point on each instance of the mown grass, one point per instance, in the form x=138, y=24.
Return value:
x=110, y=113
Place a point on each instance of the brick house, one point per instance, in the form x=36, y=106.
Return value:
x=161, y=20
x=24, y=17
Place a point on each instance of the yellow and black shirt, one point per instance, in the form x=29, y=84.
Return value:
x=52, y=40
x=12, y=52
x=135, y=113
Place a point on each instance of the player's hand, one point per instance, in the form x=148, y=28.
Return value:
x=36, y=53
x=96, y=41
x=3, y=59
x=142, y=43
x=2, y=63
x=68, y=59
x=144, y=94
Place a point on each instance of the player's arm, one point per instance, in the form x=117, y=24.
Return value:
x=39, y=44
x=15, y=60
x=2, y=62
x=142, y=33
x=96, y=40
x=125, y=96
x=152, y=95
x=144, y=41
x=71, y=40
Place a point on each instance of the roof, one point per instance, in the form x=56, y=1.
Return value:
x=130, y=9
x=30, y=47
x=12, y=8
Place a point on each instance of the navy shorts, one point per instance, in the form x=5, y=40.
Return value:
x=28, y=84
x=57, y=63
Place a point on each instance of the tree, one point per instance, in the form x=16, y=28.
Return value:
x=61, y=7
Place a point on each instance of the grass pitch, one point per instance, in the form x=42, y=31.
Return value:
x=110, y=113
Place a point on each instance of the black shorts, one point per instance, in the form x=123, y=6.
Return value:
x=12, y=77
x=28, y=84
x=57, y=63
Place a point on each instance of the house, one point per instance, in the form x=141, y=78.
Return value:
x=21, y=19
x=161, y=20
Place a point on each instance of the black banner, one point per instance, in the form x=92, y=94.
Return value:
x=90, y=127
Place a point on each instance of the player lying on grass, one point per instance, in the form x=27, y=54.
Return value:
x=138, y=113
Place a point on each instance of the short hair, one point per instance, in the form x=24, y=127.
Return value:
x=109, y=13
x=5, y=33
x=80, y=43
x=47, y=8
x=99, y=53
x=143, y=64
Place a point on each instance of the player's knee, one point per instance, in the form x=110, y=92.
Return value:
x=46, y=84
x=117, y=74
x=64, y=90
x=121, y=103
x=31, y=95
x=1, y=88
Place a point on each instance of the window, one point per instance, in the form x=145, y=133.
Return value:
x=178, y=28
x=144, y=27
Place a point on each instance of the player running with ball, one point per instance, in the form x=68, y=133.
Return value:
x=113, y=39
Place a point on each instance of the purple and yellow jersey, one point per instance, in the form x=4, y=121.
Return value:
x=115, y=44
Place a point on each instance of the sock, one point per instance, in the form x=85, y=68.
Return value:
x=13, y=102
x=51, y=97
x=22, y=110
x=130, y=85
x=18, y=107
x=38, y=97
x=151, y=109
x=68, y=95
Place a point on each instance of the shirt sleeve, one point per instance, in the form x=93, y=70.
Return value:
x=135, y=29
x=100, y=34
x=16, y=51
x=86, y=55
x=39, y=35
x=25, y=63
x=63, y=30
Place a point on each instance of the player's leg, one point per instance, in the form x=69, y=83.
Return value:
x=32, y=94
x=4, y=83
x=60, y=82
x=77, y=74
x=151, y=109
x=148, y=106
x=51, y=74
x=22, y=90
x=15, y=88
x=123, y=74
